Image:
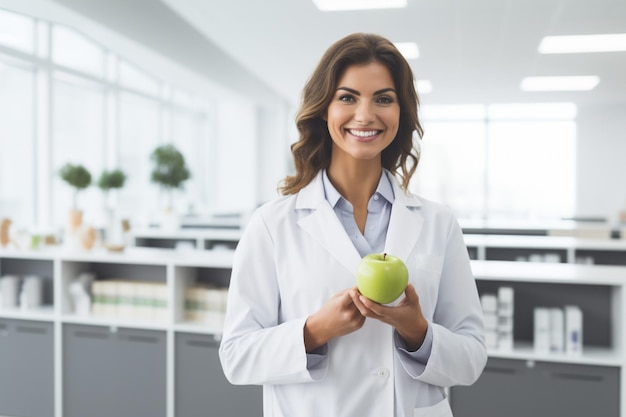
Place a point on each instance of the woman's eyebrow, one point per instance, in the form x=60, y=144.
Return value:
x=356, y=93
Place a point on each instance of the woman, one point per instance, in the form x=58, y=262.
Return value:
x=296, y=323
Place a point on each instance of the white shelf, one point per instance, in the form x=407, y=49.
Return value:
x=544, y=242
x=591, y=355
x=114, y=322
x=549, y=273
x=45, y=313
x=207, y=234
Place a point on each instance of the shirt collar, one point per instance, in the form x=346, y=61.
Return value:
x=384, y=188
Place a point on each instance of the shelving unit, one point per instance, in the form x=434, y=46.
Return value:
x=553, y=383
x=567, y=249
x=175, y=362
x=79, y=364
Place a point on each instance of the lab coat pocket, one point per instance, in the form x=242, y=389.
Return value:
x=441, y=409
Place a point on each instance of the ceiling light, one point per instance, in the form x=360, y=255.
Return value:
x=335, y=5
x=408, y=49
x=423, y=86
x=571, y=83
x=583, y=43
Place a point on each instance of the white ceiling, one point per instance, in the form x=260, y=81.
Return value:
x=472, y=51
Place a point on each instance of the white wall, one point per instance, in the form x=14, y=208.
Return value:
x=601, y=170
x=274, y=154
x=236, y=156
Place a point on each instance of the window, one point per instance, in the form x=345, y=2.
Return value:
x=451, y=167
x=531, y=170
x=136, y=79
x=500, y=162
x=17, y=154
x=17, y=31
x=189, y=136
x=139, y=136
x=73, y=50
x=67, y=99
x=77, y=138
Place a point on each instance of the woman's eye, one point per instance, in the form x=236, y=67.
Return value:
x=346, y=98
x=385, y=100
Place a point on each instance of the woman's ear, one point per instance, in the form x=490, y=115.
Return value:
x=325, y=116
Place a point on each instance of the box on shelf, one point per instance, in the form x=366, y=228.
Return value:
x=129, y=299
x=205, y=303
x=558, y=330
x=505, y=317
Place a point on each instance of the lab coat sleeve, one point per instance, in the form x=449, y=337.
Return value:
x=458, y=353
x=255, y=347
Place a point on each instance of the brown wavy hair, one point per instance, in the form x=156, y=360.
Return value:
x=312, y=152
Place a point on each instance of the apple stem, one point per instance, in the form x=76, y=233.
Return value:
x=384, y=256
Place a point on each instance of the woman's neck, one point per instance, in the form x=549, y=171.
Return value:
x=356, y=180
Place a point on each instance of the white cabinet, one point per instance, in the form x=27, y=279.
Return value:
x=74, y=361
x=521, y=381
x=126, y=360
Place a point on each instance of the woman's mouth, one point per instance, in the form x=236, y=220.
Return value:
x=364, y=135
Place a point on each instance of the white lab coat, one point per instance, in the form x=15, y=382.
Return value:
x=295, y=255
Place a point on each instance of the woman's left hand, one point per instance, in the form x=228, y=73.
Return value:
x=406, y=317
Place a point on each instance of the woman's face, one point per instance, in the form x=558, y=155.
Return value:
x=364, y=113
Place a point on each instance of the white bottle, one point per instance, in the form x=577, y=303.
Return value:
x=573, y=330
x=9, y=287
x=541, y=328
x=557, y=331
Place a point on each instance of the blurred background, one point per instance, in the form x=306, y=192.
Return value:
x=103, y=84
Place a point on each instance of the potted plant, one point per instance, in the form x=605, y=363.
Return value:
x=110, y=180
x=170, y=171
x=78, y=177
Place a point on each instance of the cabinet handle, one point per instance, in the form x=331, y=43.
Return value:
x=578, y=377
x=30, y=329
x=203, y=343
x=142, y=339
x=500, y=370
x=90, y=335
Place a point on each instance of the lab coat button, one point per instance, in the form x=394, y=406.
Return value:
x=383, y=373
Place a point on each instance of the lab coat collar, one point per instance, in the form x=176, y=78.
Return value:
x=323, y=225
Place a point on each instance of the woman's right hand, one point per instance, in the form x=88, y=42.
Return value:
x=337, y=317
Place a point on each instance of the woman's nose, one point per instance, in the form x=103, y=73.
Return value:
x=364, y=113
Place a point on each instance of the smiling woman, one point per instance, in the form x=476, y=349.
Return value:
x=312, y=152
x=294, y=281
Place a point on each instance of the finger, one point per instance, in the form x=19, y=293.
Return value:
x=357, y=299
x=411, y=293
x=374, y=309
x=346, y=298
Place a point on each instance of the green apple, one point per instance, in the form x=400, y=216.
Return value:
x=382, y=277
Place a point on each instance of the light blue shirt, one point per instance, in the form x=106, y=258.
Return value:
x=372, y=241
x=378, y=215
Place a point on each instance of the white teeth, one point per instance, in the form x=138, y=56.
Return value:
x=364, y=134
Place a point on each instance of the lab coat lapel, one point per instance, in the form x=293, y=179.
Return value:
x=405, y=224
x=322, y=224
